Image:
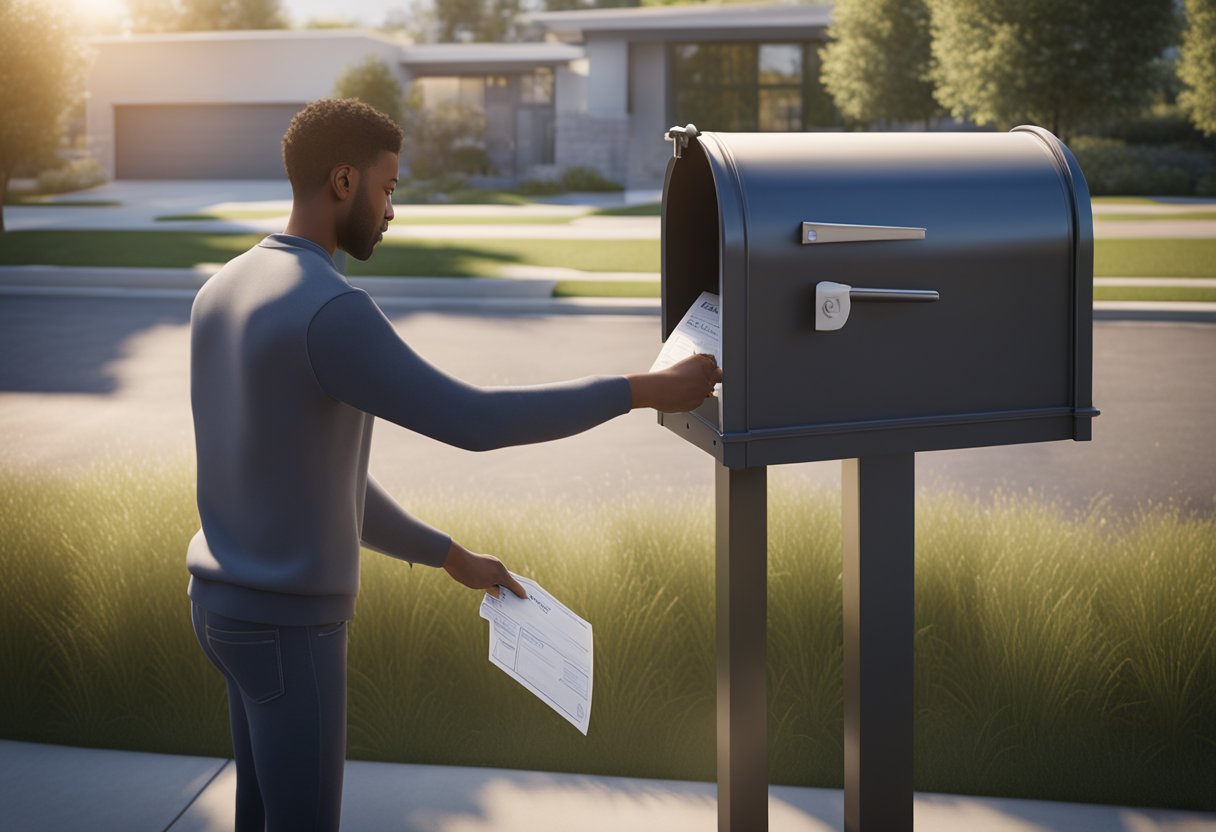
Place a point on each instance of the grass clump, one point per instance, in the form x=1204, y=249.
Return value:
x=1058, y=657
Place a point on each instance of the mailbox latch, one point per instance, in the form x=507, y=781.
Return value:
x=680, y=137
x=833, y=301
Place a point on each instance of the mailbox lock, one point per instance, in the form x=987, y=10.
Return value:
x=833, y=301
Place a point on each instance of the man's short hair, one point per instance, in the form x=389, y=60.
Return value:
x=331, y=132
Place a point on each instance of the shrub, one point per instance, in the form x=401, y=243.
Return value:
x=1112, y=166
x=588, y=180
x=539, y=187
x=76, y=175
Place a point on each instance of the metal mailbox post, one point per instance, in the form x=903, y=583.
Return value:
x=881, y=294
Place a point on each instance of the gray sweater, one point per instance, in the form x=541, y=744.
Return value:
x=289, y=366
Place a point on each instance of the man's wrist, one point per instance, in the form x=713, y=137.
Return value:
x=641, y=388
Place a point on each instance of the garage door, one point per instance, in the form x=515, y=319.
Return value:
x=201, y=141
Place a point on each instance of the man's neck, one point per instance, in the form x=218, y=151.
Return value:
x=310, y=226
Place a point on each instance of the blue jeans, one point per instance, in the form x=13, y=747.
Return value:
x=287, y=709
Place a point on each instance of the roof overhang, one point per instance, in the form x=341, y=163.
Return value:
x=485, y=58
x=685, y=23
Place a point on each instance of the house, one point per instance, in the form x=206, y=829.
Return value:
x=596, y=88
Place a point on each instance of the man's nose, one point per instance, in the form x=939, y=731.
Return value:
x=388, y=210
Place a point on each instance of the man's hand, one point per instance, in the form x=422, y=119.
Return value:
x=479, y=571
x=679, y=388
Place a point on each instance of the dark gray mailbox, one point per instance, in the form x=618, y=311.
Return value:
x=880, y=294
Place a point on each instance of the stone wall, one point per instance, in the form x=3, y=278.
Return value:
x=600, y=143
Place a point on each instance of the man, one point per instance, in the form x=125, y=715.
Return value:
x=290, y=365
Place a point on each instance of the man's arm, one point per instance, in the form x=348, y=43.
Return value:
x=358, y=358
x=390, y=530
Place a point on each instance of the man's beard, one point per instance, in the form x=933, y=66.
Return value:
x=361, y=231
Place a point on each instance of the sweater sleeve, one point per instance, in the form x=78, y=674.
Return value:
x=390, y=530
x=359, y=359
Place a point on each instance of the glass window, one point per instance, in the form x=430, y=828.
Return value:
x=536, y=87
x=780, y=109
x=748, y=86
x=781, y=63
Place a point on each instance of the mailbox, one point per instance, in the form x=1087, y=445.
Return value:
x=882, y=292
x=879, y=295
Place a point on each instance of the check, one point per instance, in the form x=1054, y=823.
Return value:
x=545, y=647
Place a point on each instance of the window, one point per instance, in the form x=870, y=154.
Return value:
x=536, y=87
x=747, y=86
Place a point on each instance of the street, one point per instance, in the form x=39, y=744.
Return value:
x=89, y=379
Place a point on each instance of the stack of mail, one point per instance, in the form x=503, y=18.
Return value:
x=545, y=647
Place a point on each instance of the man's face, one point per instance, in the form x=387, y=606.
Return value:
x=371, y=208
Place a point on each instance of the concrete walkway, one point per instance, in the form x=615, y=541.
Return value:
x=51, y=787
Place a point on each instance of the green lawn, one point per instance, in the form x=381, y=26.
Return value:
x=1184, y=293
x=182, y=249
x=233, y=214
x=1189, y=215
x=485, y=257
x=606, y=289
x=1155, y=258
x=649, y=209
x=1058, y=656
x=1139, y=200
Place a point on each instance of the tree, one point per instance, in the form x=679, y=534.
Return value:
x=877, y=65
x=372, y=82
x=1197, y=68
x=476, y=20
x=204, y=15
x=42, y=66
x=443, y=139
x=1060, y=65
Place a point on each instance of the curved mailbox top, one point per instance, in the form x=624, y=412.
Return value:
x=994, y=229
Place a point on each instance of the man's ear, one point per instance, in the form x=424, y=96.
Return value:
x=343, y=181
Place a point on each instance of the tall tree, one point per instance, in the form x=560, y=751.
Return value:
x=877, y=64
x=372, y=82
x=1061, y=65
x=204, y=15
x=476, y=20
x=1197, y=68
x=42, y=66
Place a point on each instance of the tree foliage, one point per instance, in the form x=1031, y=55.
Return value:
x=1197, y=68
x=476, y=20
x=877, y=64
x=444, y=139
x=372, y=82
x=1060, y=65
x=204, y=15
x=42, y=66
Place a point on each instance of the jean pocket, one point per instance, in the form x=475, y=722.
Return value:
x=252, y=660
x=326, y=630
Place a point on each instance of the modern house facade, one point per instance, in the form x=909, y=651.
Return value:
x=597, y=88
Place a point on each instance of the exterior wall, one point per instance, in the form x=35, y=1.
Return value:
x=251, y=68
x=608, y=76
x=648, y=152
x=596, y=142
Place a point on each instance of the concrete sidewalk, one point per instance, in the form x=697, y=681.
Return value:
x=50, y=787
